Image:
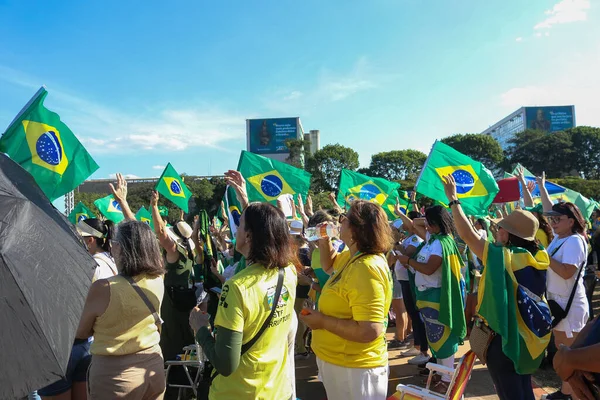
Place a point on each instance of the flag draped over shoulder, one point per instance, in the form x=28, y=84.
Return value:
x=79, y=213
x=268, y=179
x=475, y=184
x=171, y=186
x=451, y=302
x=110, y=208
x=145, y=216
x=355, y=186
x=44, y=146
x=510, y=300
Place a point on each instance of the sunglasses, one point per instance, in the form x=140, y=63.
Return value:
x=556, y=220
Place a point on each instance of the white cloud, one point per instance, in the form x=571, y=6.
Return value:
x=564, y=12
x=151, y=127
x=538, y=34
x=126, y=176
x=519, y=39
x=293, y=95
x=159, y=167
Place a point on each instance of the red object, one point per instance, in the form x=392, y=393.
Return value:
x=305, y=311
x=509, y=190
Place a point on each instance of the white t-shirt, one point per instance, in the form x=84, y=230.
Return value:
x=422, y=281
x=400, y=270
x=573, y=251
x=106, y=266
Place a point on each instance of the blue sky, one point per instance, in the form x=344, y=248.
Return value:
x=143, y=83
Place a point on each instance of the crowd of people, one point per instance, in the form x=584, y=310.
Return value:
x=265, y=297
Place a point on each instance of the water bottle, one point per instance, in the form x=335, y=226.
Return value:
x=321, y=231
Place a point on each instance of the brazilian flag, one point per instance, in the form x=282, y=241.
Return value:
x=233, y=210
x=355, y=186
x=79, y=213
x=172, y=187
x=44, y=146
x=404, y=201
x=475, y=184
x=145, y=216
x=163, y=211
x=268, y=179
x=110, y=208
x=511, y=300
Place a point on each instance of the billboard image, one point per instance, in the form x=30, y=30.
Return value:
x=550, y=119
x=268, y=136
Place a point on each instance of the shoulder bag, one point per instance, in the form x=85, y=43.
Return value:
x=207, y=374
x=157, y=320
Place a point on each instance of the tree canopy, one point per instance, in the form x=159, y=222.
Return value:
x=327, y=163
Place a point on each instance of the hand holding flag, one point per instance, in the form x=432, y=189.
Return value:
x=238, y=183
x=450, y=187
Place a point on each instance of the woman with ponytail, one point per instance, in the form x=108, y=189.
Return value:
x=97, y=235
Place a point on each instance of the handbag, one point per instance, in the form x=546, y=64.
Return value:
x=480, y=339
x=157, y=320
x=209, y=374
x=184, y=299
x=558, y=313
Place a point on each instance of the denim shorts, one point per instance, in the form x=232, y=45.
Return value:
x=79, y=362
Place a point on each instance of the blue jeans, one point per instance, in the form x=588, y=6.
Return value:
x=509, y=384
x=79, y=362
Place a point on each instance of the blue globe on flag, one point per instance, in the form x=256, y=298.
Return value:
x=271, y=185
x=368, y=192
x=465, y=181
x=116, y=205
x=49, y=149
x=175, y=187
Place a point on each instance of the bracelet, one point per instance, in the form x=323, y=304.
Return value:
x=453, y=202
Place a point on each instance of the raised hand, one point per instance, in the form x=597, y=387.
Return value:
x=541, y=180
x=397, y=209
x=119, y=192
x=450, y=187
x=238, y=183
x=309, y=206
x=530, y=186
x=154, y=199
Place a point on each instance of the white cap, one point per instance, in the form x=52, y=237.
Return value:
x=296, y=227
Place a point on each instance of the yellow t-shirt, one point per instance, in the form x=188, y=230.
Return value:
x=244, y=306
x=363, y=292
x=542, y=237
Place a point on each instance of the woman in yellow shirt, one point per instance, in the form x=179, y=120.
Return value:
x=349, y=327
x=126, y=359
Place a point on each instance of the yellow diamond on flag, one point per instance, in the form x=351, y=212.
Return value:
x=467, y=180
x=271, y=185
x=81, y=216
x=46, y=147
x=366, y=191
x=174, y=186
x=114, y=206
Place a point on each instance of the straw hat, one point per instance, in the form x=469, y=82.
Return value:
x=520, y=223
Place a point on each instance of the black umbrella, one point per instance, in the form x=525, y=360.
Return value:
x=45, y=274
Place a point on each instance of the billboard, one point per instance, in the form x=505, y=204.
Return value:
x=268, y=136
x=550, y=119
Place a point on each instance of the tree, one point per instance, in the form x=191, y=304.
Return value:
x=397, y=164
x=586, y=148
x=480, y=147
x=298, y=148
x=539, y=151
x=327, y=163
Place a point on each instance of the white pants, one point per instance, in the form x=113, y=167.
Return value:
x=343, y=383
x=446, y=362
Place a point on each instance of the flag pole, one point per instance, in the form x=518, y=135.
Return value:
x=29, y=103
x=424, y=165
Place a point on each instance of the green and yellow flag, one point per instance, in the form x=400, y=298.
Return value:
x=79, y=213
x=233, y=210
x=511, y=301
x=172, y=187
x=355, y=186
x=404, y=201
x=44, y=146
x=110, y=208
x=268, y=179
x=443, y=308
x=163, y=211
x=475, y=184
x=145, y=216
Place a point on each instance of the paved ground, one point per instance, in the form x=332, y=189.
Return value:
x=480, y=386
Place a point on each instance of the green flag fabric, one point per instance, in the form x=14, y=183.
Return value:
x=163, y=211
x=144, y=215
x=44, y=146
x=79, y=213
x=233, y=209
x=355, y=186
x=171, y=186
x=404, y=201
x=511, y=300
x=268, y=179
x=110, y=208
x=475, y=184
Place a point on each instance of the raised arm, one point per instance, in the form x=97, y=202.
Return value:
x=463, y=227
x=336, y=206
x=546, y=200
x=419, y=226
x=120, y=195
x=161, y=230
x=327, y=255
x=301, y=211
x=309, y=206
x=238, y=183
x=413, y=201
x=198, y=241
x=527, y=199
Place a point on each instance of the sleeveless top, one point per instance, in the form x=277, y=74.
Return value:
x=127, y=326
x=179, y=272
